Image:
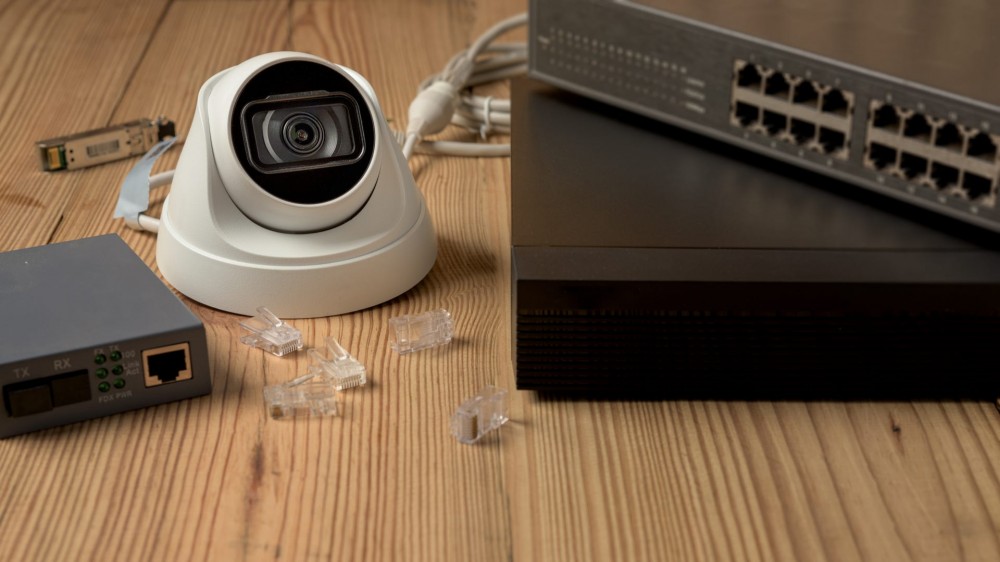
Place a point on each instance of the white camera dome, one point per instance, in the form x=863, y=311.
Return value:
x=291, y=193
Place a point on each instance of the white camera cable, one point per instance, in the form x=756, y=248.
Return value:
x=133, y=199
x=438, y=103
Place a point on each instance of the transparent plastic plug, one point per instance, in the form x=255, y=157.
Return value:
x=414, y=332
x=479, y=415
x=307, y=395
x=342, y=370
x=269, y=333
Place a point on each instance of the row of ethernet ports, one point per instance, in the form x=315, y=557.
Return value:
x=767, y=92
x=792, y=89
x=941, y=176
x=790, y=129
x=934, y=131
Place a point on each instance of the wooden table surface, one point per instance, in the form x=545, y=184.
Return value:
x=215, y=478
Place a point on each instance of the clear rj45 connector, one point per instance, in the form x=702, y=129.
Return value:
x=307, y=395
x=270, y=333
x=413, y=332
x=342, y=370
x=315, y=392
x=479, y=415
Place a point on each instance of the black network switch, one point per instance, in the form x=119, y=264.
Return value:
x=902, y=98
x=651, y=261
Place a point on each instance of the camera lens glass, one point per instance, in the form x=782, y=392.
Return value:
x=303, y=133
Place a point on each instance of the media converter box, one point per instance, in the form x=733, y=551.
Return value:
x=902, y=97
x=89, y=331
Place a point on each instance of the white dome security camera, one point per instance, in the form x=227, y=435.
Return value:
x=291, y=193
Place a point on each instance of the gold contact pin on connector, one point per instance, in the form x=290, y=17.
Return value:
x=55, y=157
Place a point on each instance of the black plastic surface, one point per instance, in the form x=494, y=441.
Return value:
x=589, y=175
x=26, y=400
x=650, y=261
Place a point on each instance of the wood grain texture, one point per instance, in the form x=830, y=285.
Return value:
x=215, y=479
x=64, y=67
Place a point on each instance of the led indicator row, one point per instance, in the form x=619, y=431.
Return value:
x=101, y=358
x=103, y=372
x=105, y=386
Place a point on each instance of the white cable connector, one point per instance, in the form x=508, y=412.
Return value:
x=438, y=102
x=432, y=110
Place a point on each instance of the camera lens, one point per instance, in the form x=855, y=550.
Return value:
x=302, y=133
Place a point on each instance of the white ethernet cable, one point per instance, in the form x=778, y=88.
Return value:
x=439, y=103
x=133, y=200
x=144, y=221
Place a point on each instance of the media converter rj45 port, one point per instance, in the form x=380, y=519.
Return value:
x=91, y=331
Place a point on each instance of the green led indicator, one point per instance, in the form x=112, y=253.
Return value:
x=101, y=373
x=119, y=383
x=118, y=369
x=116, y=355
x=104, y=386
x=100, y=358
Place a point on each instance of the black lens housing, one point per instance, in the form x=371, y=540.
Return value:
x=302, y=131
x=317, y=97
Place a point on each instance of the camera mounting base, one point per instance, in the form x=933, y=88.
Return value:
x=302, y=287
